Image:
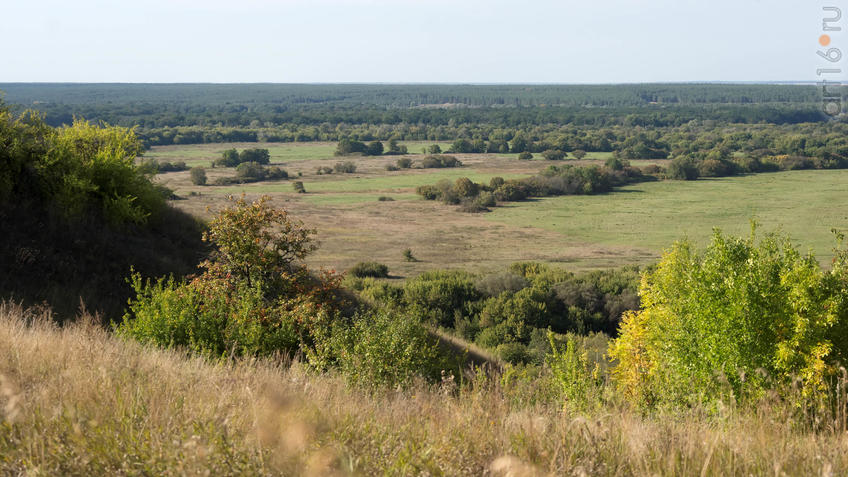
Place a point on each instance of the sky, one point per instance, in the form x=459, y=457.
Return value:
x=415, y=41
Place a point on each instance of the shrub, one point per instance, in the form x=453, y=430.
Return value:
x=251, y=299
x=436, y=295
x=554, y=155
x=683, y=169
x=464, y=187
x=652, y=169
x=348, y=146
x=275, y=173
x=497, y=283
x=385, y=198
x=198, y=176
x=324, y=170
x=472, y=207
x=378, y=349
x=429, y=192
x=578, y=154
x=715, y=168
x=404, y=163
x=513, y=353
x=345, y=167
x=616, y=164
x=579, y=380
x=510, y=192
x=229, y=158
x=732, y=318
x=391, y=167
x=525, y=156
x=298, y=187
x=434, y=149
x=369, y=269
x=408, y=256
x=375, y=148
x=250, y=171
x=486, y=199
x=440, y=161
x=259, y=156
x=495, y=182
x=171, y=166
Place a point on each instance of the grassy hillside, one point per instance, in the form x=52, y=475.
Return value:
x=77, y=400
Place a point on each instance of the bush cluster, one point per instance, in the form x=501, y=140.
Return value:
x=253, y=297
x=369, y=269
x=554, y=181
x=509, y=312
x=247, y=172
x=232, y=157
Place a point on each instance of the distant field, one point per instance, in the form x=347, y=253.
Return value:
x=804, y=204
x=632, y=225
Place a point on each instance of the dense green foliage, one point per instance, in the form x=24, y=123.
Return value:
x=81, y=169
x=509, y=312
x=553, y=181
x=737, y=319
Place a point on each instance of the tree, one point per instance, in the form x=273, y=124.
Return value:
x=198, y=176
x=525, y=156
x=578, y=154
x=229, y=158
x=348, y=146
x=519, y=144
x=375, y=148
x=741, y=316
x=434, y=149
x=259, y=156
x=256, y=242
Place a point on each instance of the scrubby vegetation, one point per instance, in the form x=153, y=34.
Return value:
x=553, y=181
x=78, y=211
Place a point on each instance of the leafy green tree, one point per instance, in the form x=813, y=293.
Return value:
x=740, y=317
x=434, y=149
x=578, y=154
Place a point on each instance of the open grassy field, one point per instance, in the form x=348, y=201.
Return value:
x=632, y=225
x=804, y=204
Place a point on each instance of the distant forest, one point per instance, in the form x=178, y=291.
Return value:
x=199, y=113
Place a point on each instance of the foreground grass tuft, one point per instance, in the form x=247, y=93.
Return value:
x=77, y=400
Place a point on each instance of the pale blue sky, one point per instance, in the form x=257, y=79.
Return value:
x=492, y=41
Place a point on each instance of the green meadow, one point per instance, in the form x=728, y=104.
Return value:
x=804, y=204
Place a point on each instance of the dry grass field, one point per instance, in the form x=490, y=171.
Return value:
x=79, y=401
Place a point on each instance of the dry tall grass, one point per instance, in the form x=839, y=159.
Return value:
x=77, y=400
